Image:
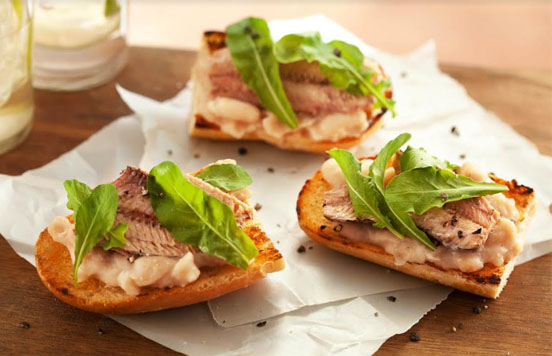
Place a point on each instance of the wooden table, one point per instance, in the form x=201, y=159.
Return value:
x=519, y=323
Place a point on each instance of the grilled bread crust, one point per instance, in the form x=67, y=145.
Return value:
x=200, y=127
x=487, y=282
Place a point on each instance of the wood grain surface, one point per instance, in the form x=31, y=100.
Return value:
x=518, y=323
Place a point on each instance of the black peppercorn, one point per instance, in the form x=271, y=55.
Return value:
x=454, y=131
x=414, y=337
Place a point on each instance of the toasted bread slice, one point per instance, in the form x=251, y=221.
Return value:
x=487, y=282
x=199, y=126
x=55, y=269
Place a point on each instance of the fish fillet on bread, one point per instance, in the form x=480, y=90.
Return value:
x=224, y=108
x=477, y=239
x=148, y=246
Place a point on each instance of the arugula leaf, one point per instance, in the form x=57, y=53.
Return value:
x=419, y=158
x=77, y=192
x=364, y=195
x=250, y=45
x=421, y=189
x=424, y=182
x=116, y=236
x=399, y=218
x=377, y=169
x=94, y=218
x=196, y=218
x=226, y=176
x=340, y=62
x=405, y=225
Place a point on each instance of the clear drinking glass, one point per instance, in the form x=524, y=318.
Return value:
x=78, y=44
x=16, y=94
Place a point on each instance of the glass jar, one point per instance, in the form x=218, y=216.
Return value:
x=16, y=94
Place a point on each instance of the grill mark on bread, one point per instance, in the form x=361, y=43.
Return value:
x=215, y=40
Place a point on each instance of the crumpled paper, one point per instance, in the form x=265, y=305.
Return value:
x=356, y=326
x=309, y=303
x=428, y=114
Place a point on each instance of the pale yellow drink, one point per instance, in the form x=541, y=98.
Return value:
x=78, y=44
x=16, y=97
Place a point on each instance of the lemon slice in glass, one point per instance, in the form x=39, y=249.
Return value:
x=14, y=69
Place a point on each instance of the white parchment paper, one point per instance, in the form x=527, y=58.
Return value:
x=429, y=104
x=351, y=327
x=323, y=302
